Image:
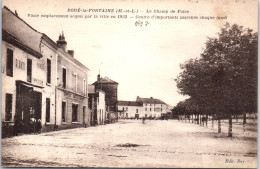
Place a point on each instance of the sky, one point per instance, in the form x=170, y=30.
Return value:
x=144, y=60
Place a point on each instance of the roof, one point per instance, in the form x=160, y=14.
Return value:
x=150, y=100
x=128, y=103
x=21, y=30
x=29, y=36
x=105, y=80
x=9, y=38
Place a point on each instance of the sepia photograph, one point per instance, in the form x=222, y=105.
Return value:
x=129, y=84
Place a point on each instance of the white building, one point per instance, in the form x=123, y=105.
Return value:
x=129, y=109
x=97, y=105
x=41, y=81
x=142, y=108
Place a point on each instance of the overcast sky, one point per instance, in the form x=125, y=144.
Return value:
x=143, y=60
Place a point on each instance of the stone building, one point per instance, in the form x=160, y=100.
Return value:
x=110, y=88
x=32, y=93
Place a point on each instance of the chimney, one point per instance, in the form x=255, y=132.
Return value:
x=98, y=77
x=151, y=97
x=71, y=52
x=61, y=42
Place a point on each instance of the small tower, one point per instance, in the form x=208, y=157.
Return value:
x=61, y=42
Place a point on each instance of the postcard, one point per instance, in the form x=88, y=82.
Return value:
x=129, y=83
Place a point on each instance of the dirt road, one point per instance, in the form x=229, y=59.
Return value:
x=130, y=143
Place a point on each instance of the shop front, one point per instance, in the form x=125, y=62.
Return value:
x=28, y=116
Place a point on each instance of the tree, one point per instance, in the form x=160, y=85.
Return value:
x=224, y=79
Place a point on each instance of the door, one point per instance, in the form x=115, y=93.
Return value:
x=137, y=116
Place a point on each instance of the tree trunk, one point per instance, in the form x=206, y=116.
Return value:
x=201, y=120
x=206, y=120
x=198, y=119
x=237, y=118
x=230, y=126
x=212, y=121
x=219, y=124
x=192, y=118
x=244, y=121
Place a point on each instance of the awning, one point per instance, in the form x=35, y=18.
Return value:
x=34, y=87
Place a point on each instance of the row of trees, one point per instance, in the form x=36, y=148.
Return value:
x=223, y=81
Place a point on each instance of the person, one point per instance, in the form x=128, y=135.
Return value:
x=38, y=126
x=33, y=125
x=143, y=120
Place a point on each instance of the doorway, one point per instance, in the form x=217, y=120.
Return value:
x=28, y=109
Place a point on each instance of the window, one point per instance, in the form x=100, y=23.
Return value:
x=154, y=109
x=126, y=108
x=63, y=111
x=74, y=113
x=84, y=114
x=161, y=109
x=75, y=79
x=161, y=105
x=29, y=70
x=150, y=105
x=136, y=110
x=146, y=109
x=64, y=77
x=8, y=107
x=123, y=108
x=84, y=87
x=9, y=62
x=49, y=71
x=48, y=103
x=150, y=109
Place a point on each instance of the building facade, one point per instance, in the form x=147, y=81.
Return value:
x=97, y=106
x=31, y=69
x=130, y=109
x=142, y=108
x=72, y=89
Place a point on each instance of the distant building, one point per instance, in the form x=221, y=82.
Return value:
x=129, y=109
x=96, y=104
x=142, y=108
x=110, y=88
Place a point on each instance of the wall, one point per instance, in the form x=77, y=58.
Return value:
x=144, y=111
x=131, y=111
x=101, y=109
x=70, y=94
x=154, y=110
x=48, y=52
x=20, y=73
